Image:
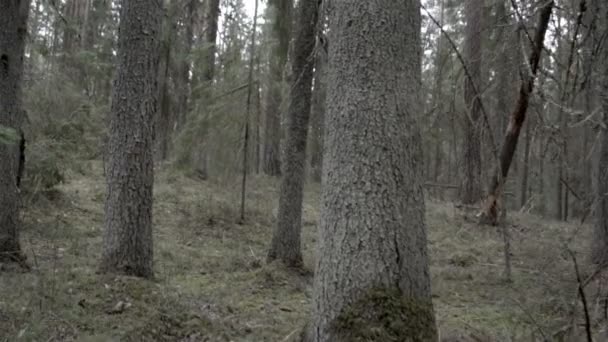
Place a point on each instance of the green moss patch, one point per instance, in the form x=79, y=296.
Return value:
x=386, y=315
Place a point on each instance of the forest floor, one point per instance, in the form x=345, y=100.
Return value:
x=212, y=282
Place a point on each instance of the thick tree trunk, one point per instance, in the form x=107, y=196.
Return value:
x=372, y=275
x=471, y=186
x=127, y=240
x=13, y=31
x=509, y=145
x=285, y=245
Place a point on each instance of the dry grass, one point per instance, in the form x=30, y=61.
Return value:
x=213, y=284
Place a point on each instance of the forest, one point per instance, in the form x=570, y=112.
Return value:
x=304, y=170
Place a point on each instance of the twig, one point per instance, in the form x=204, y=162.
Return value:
x=289, y=335
x=581, y=292
x=531, y=318
x=470, y=78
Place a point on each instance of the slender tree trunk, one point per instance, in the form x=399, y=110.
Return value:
x=127, y=240
x=440, y=60
x=471, y=186
x=248, y=111
x=184, y=72
x=525, y=168
x=13, y=31
x=285, y=245
x=272, y=136
x=213, y=13
x=201, y=154
x=372, y=275
x=599, y=245
x=318, y=115
x=509, y=145
x=258, y=117
x=164, y=118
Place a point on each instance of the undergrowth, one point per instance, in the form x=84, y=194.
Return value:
x=212, y=282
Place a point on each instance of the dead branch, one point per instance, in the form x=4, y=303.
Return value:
x=581, y=292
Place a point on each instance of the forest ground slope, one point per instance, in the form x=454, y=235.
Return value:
x=212, y=282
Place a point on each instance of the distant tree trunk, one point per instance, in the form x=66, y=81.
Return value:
x=470, y=192
x=285, y=245
x=201, y=156
x=258, y=117
x=509, y=144
x=440, y=59
x=372, y=274
x=164, y=118
x=127, y=240
x=599, y=246
x=525, y=168
x=318, y=115
x=278, y=59
x=183, y=83
x=13, y=31
x=213, y=13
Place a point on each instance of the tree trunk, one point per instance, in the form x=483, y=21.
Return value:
x=278, y=59
x=200, y=154
x=318, y=115
x=13, y=31
x=440, y=59
x=213, y=13
x=183, y=82
x=471, y=187
x=285, y=245
x=490, y=212
x=127, y=240
x=164, y=119
x=599, y=246
x=372, y=274
x=525, y=168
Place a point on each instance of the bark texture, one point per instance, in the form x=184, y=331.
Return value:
x=470, y=192
x=285, y=244
x=599, y=247
x=127, y=240
x=13, y=31
x=518, y=116
x=372, y=278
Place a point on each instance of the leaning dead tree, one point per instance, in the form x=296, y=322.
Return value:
x=518, y=116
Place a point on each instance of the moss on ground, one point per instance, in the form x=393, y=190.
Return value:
x=212, y=283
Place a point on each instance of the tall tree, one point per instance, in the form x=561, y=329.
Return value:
x=471, y=185
x=13, y=31
x=599, y=250
x=127, y=240
x=211, y=21
x=272, y=133
x=517, y=118
x=318, y=113
x=372, y=276
x=285, y=244
x=201, y=154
